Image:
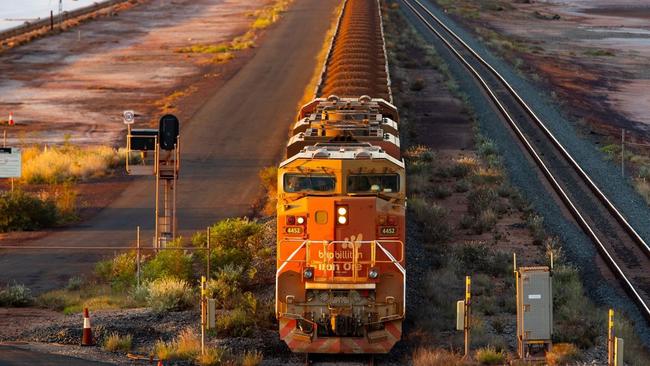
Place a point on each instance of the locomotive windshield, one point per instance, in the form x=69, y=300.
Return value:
x=315, y=183
x=373, y=183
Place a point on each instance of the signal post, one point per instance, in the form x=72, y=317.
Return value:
x=157, y=152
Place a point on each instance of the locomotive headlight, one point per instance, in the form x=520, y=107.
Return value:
x=373, y=273
x=300, y=220
x=343, y=220
x=342, y=215
x=342, y=211
x=308, y=273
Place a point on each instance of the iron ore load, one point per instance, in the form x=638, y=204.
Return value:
x=341, y=279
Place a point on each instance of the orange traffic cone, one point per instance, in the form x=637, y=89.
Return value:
x=87, y=336
x=11, y=119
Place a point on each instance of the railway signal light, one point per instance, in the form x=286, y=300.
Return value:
x=168, y=131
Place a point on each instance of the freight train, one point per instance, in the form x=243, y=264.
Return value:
x=341, y=278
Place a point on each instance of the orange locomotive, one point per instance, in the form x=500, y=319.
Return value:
x=341, y=279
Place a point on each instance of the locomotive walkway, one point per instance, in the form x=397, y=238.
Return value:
x=239, y=130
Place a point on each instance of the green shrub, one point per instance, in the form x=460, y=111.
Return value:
x=485, y=221
x=114, y=342
x=536, y=226
x=575, y=319
x=169, y=263
x=490, y=356
x=440, y=191
x=462, y=186
x=226, y=287
x=418, y=84
x=21, y=211
x=74, y=283
x=235, y=323
x=432, y=220
x=170, y=294
x=16, y=295
x=239, y=233
x=120, y=271
x=480, y=199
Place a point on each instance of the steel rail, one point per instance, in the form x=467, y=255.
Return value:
x=545, y=170
x=590, y=183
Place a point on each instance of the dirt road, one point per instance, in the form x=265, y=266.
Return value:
x=240, y=128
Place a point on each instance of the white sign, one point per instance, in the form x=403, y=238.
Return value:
x=129, y=117
x=10, y=162
x=534, y=297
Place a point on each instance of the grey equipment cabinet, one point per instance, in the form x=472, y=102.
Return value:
x=534, y=312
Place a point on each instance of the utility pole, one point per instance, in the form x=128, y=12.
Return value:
x=468, y=306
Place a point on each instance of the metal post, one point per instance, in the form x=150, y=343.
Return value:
x=4, y=138
x=208, y=255
x=156, y=230
x=203, y=315
x=51, y=20
x=137, y=243
x=610, y=338
x=468, y=305
x=622, y=152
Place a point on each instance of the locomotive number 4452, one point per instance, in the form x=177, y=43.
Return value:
x=388, y=230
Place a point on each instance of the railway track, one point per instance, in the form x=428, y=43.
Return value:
x=620, y=246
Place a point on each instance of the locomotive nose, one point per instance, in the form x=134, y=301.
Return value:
x=344, y=219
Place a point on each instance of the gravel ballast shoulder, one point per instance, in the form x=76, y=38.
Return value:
x=579, y=249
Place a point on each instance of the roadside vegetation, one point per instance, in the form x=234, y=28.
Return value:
x=479, y=241
x=46, y=194
x=242, y=258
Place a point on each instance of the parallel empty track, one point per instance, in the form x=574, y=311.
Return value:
x=356, y=63
x=624, y=251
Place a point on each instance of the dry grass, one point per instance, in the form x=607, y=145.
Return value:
x=561, y=354
x=114, y=342
x=490, y=356
x=169, y=294
x=59, y=164
x=211, y=357
x=435, y=357
x=185, y=346
x=252, y=358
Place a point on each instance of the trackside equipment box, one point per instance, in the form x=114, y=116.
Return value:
x=534, y=311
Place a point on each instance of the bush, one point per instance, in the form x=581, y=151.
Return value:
x=436, y=357
x=120, y=271
x=21, y=211
x=169, y=294
x=536, y=226
x=239, y=233
x=226, y=287
x=432, y=219
x=575, y=319
x=16, y=295
x=269, y=179
x=169, y=263
x=236, y=323
x=490, y=356
x=485, y=221
x=114, y=342
x=480, y=199
x=462, y=186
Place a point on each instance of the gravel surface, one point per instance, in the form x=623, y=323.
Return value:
x=578, y=247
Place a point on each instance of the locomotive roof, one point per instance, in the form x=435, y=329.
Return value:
x=358, y=151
